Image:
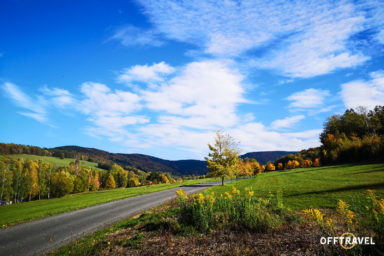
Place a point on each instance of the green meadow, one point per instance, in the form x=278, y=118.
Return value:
x=55, y=161
x=316, y=187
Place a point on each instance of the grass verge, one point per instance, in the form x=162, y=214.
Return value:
x=17, y=213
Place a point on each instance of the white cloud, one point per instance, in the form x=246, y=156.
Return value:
x=110, y=110
x=308, y=98
x=298, y=38
x=59, y=97
x=366, y=93
x=256, y=137
x=380, y=36
x=145, y=73
x=35, y=107
x=131, y=36
x=286, y=122
x=204, y=94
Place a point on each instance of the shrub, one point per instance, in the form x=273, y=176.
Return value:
x=236, y=210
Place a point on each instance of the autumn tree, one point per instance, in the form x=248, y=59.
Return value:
x=316, y=163
x=61, y=184
x=110, y=182
x=224, y=157
x=270, y=167
x=5, y=182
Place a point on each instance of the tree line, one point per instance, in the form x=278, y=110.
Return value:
x=356, y=135
x=26, y=180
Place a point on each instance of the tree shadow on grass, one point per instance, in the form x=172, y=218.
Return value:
x=316, y=169
x=377, y=169
x=356, y=187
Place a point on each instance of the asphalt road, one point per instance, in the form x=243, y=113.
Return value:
x=43, y=235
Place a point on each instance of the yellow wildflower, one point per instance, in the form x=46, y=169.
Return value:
x=330, y=224
x=342, y=207
x=229, y=196
x=246, y=189
x=182, y=194
x=381, y=205
x=251, y=193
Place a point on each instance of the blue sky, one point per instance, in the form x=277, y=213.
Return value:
x=160, y=77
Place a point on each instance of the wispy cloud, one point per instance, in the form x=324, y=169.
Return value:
x=34, y=108
x=287, y=122
x=109, y=110
x=297, y=38
x=308, y=98
x=58, y=97
x=133, y=36
x=366, y=93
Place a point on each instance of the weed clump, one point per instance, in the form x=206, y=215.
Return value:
x=238, y=210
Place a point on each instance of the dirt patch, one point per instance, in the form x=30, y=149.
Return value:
x=299, y=239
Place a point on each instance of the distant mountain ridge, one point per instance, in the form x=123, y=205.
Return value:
x=178, y=167
x=265, y=156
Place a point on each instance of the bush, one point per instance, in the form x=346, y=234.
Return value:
x=235, y=210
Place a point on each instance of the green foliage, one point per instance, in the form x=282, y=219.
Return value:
x=235, y=210
x=354, y=136
x=316, y=187
x=223, y=159
x=61, y=184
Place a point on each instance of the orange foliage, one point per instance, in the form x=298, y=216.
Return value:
x=270, y=167
x=316, y=163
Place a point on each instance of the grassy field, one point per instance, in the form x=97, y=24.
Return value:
x=316, y=187
x=16, y=213
x=55, y=161
x=302, y=188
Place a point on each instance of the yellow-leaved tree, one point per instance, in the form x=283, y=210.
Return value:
x=224, y=158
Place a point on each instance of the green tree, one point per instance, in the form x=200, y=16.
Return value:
x=45, y=172
x=5, y=182
x=224, y=157
x=61, y=184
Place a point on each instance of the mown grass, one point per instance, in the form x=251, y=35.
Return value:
x=17, y=213
x=316, y=187
x=55, y=161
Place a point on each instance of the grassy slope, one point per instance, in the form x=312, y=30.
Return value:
x=16, y=213
x=57, y=162
x=317, y=187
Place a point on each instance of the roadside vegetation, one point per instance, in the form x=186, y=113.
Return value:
x=17, y=213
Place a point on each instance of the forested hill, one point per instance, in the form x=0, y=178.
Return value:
x=265, y=156
x=181, y=167
x=139, y=161
x=142, y=162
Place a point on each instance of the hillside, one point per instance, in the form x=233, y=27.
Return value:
x=265, y=156
x=57, y=162
x=180, y=167
x=91, y=156
x=142, y=162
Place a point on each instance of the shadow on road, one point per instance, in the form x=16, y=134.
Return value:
x=200, y=185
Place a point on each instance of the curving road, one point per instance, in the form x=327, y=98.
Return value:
x=43, y=235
